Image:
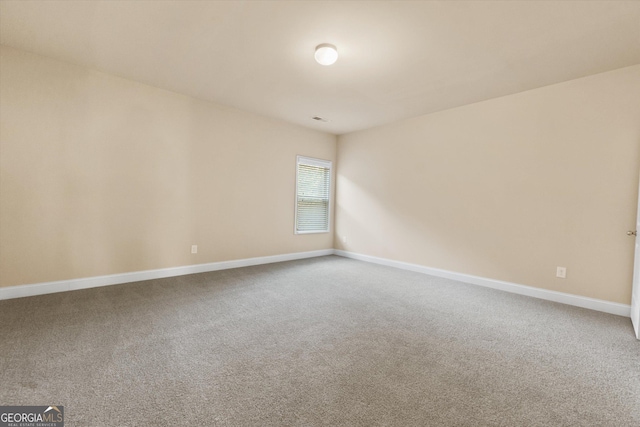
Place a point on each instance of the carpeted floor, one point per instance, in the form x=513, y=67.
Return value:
x=325, y=341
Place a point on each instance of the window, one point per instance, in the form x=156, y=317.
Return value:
x=313, y=184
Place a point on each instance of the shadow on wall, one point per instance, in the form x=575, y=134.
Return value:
x=391, y=232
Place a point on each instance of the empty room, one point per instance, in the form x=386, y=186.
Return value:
x=319, y=213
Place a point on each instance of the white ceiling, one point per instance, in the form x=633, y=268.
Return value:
x=397, y=59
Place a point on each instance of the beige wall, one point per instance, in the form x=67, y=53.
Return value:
x=506, y=189
x=101, y=175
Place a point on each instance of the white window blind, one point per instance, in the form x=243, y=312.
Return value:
x=313, y=180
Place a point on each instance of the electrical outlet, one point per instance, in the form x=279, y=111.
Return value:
x=194, y=249
x=561, y=272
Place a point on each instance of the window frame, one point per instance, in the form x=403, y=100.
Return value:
x=328, y=164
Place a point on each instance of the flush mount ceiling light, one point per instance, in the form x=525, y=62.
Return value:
x=326, y=54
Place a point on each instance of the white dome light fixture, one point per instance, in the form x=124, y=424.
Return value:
x=326, y=54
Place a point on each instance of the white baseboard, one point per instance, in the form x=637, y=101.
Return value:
x=564, y=298
x=116, y=279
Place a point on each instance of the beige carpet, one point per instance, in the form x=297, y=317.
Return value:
x=326, y=341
